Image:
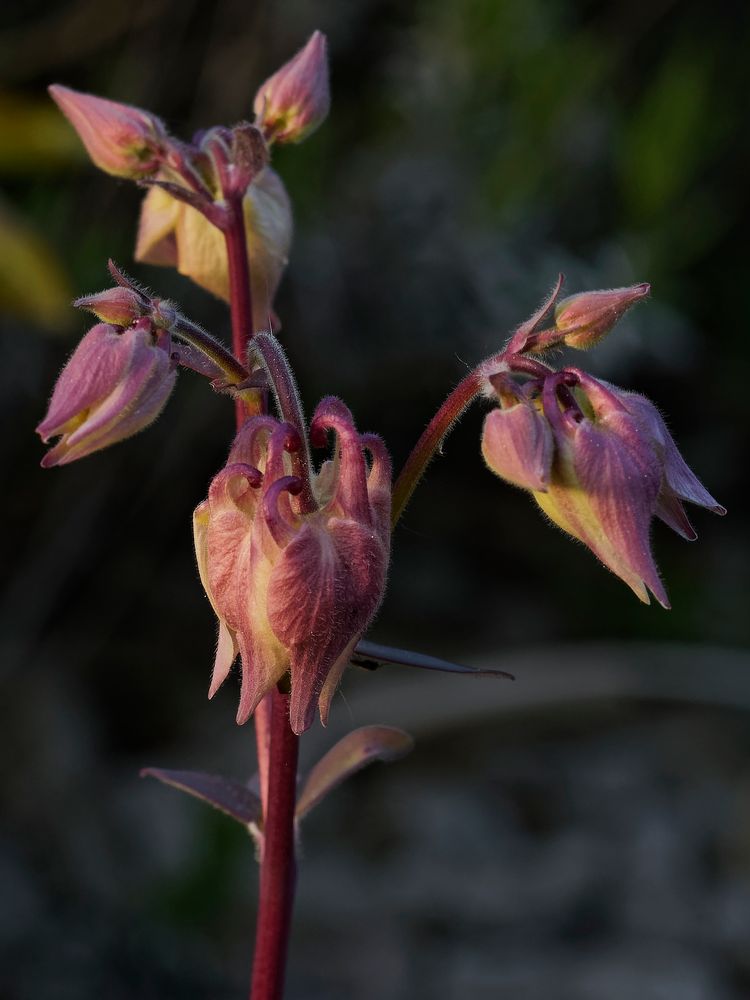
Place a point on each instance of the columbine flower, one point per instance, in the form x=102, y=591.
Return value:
x=115, y=384
x=293, y=102
x=120, y=139
x=294, y=589
x=599, y=462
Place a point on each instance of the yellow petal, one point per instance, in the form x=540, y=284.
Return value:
x=155, y=243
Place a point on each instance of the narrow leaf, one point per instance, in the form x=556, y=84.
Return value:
x=226, y=794
x=355, y=751
x=372, y=656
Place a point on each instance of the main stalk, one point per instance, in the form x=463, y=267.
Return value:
x=277, y=745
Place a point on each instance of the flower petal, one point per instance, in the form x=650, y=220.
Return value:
x=517, y=445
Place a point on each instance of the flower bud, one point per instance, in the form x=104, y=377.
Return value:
x=174, y=234
x=120, y=139
x=115, y=384
x=584, y=319
x=294, y=590
x=293, y=102
x=117, y=306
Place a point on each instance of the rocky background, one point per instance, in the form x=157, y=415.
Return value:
x=583, y=832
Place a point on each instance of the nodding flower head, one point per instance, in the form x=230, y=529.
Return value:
x=120, y=139
x=599, y=462
x=294, y=584
x=296, y=99
x=115, y=383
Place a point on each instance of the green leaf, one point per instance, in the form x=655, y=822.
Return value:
x=355, y=751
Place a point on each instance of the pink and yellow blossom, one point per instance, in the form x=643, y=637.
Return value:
x=294, y=589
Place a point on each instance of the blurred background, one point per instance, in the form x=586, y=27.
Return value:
x=581, y=833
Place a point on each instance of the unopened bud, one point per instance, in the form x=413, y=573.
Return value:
x=293, y=102
x=115, y=384
x=118, y=306
x=584, y=319
x=120, y=139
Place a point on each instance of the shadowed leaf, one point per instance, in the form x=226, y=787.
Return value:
x=231, y=797
x=355, y=751
x=372, y=656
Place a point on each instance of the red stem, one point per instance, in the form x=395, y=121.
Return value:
x=277, y=745
x=430, y=441
x=241, y=302
x=278, y=869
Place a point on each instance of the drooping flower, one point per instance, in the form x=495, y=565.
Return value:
x=115, y=383
x=294, y=588
x=120, y=139
x=293, y=102
x=679, y=482
x=600, y=463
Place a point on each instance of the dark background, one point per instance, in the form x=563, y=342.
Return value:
x=581, y=833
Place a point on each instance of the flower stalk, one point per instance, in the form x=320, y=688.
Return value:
x=432, y=437
x=278, y=869
x=277, y=746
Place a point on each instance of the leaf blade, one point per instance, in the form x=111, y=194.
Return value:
x=372, y=656
x=225, y=794
x=353, y=752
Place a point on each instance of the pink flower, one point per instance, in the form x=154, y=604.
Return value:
x=293, y=102
x=115, y=384
x=517, y=442
x=600, y=463
x=294, y=589
x=120, y=139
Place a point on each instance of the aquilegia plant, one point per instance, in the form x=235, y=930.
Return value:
x=292, y=549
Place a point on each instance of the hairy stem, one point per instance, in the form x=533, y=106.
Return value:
x=278, y=867
x=271, y=356
x=423, y=451
x=215, y=351
x=241, y=299
x=454, y=406
x=277, y=745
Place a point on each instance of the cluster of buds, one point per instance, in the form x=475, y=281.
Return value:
x=294, y=564
x=117, y=380
x=599, y=461
x=191, y=185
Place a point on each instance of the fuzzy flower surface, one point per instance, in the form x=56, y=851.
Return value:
x=294, y=589
x=120, y=139
x=599, y=462
x=295, y=101
x=115, y=383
